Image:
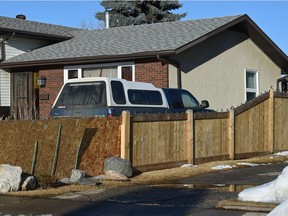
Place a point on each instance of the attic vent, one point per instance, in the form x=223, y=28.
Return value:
x=21, y=16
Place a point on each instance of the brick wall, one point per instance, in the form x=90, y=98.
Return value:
x=48, y=94
x=152, y=72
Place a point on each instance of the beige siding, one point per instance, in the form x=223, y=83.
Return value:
x=4, y=88
x=218, y=76
x=17, y=46
x=13, y=47
x=172, y=73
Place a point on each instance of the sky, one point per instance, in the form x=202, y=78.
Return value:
x=270, y=16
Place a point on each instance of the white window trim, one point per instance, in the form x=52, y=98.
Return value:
x=66, y=73
x=118, y=65
x=256, y=90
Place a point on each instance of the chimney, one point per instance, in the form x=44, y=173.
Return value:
x=21, y=16
x=107, y=19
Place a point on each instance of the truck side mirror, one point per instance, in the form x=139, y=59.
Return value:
x=204, y=103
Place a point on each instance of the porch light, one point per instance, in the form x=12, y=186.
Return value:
x=41, y=81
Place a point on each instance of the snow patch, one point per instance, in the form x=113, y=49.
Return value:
x=248, y=164
x=188, y=165
x=280, y=210
x=284, y=153
x=220, y=167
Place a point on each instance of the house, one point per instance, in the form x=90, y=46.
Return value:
x=18, y=36
x=226, y=60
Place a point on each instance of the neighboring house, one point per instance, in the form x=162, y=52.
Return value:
x=18, y=36
x=227, y=60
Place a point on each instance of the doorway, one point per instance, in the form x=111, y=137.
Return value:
x=24, y=96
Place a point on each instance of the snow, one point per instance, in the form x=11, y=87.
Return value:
x=280, y=210
x=275, y=191
x=188, y=165
x=247, y=164
x=284, y=153
x=220, y=167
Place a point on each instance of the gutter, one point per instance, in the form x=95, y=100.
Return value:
x=79, y=60
x=177, y=65
x=2, y=46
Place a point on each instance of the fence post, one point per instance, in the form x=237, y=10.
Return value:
x=125, y=135
x=190, y=137
x=231, y=134
x=271, y=121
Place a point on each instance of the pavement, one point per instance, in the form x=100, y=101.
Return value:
x=237, y=180
x=234, y=181
x=195, y=195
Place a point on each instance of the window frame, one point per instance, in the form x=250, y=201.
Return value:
x=118, y=65
x=251, y=90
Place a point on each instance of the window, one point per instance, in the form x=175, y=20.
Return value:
x=118, y=92
x=79, y=94
x=127, y=73
x=72, y=74
x=188, y=100
x=175, y=98
x=144, y=97
x=100, y=72
x=120, y=70
x=251, y=84
x=180, y=99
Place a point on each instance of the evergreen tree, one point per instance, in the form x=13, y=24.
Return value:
x=125, y=13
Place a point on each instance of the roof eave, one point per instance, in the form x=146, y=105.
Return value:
x=85, y=60
x=37, y=35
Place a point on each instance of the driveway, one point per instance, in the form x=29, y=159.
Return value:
x=242, y=176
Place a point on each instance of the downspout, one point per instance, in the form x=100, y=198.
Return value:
x=2, y=49
x=174, y=63
x=2, y=44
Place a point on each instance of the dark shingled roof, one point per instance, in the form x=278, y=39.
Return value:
x=34, y=28
x=144, y=41
x=126, y=40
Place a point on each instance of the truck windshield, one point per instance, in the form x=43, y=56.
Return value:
x=188, y=100
x=86, y=93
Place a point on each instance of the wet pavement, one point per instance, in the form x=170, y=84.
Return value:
x=196, y=195
x=241, y=176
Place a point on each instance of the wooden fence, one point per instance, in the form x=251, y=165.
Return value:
x=168, y=140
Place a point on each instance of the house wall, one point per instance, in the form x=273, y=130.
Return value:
x=152, y=72
x=216, y=71
x=13, y=47
x=48, y=94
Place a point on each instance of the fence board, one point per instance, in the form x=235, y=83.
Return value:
x=251, y=129
x=211, y=137
x=158, y=142
x=281, y=124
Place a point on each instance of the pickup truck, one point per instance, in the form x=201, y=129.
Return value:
x=102, y=96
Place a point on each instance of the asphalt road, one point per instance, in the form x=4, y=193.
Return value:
x=192, y=196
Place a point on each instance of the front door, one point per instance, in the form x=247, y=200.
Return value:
x=23, y=96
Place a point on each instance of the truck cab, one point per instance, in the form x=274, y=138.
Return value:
x=180, y=100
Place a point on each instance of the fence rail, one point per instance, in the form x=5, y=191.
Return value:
x=166, y=140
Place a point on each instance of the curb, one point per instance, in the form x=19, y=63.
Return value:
x=234, y=204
